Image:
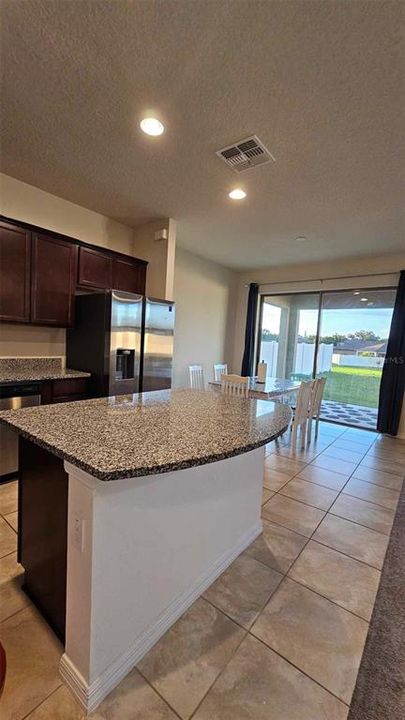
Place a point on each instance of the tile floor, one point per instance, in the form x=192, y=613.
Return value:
x=279, y=636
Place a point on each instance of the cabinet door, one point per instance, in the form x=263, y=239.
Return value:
x=129, y=276
x=53, y=282
x=95, y=269
x=15, y=266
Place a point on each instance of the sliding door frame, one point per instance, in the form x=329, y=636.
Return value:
x=321, y=294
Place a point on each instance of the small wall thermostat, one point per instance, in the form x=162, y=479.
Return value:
x=161, y=234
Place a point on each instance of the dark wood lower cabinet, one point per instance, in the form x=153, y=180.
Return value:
x=42, y=531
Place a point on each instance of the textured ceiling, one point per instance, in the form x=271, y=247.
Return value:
x=320, y=83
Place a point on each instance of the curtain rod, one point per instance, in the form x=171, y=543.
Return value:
x=321, y=280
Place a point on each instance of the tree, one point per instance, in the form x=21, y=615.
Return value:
x=364, y=335
x=267, y=336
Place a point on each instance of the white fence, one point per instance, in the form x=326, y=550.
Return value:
x=357, y=360
x=304, y=357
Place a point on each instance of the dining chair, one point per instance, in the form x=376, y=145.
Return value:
x=315, y=406
x=301, y=413
x=196, y=377
x=235, y=385
x=219, y=370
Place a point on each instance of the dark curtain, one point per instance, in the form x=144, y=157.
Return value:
x=248, y=355
x=393, y=377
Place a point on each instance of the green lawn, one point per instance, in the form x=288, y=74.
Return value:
x=358, y=386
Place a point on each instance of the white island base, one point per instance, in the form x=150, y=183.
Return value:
x=140, y=552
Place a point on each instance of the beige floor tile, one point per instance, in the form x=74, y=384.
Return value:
x=12, y=519
x=377, y=477
x=363, y=512
x=352, y=539
x=304, y=455
x=292, y=514
x=284, y=464
x=277, y=547
x=320, y=476
x=189, y=657
x=353, y=445
x=61, y=705
x=33, y=655
x=334, y=464
x=133, y=699
x=259, y=685
x=343, y=454
x=309, y=493
x=8, y=538
x=266, y=495
x=12, y=598
x=8, y=497
x=394, y=467
x=323, y=640
x=365, y=436
x=274, y=479
x=349, y=583
x=243, y=589
x=373, y=493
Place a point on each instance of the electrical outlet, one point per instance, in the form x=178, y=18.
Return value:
x=78, y=532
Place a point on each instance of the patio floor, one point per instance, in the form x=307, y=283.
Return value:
x=347, y=414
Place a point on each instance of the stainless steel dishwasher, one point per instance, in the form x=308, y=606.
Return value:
x=14, y=397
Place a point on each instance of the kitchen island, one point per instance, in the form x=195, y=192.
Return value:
x=150, y=497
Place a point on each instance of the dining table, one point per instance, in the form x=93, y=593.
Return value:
x=273, y=388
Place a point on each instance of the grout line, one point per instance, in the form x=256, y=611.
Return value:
x=361, y=524
x=44, y=700
x=351, y=557
x=325, y=597
x=277, y=652
x=148, y=683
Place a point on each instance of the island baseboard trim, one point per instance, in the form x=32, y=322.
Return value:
x=90, y=696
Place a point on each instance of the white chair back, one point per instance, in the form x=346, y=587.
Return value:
x=315, y=407
x=235, y=385
x=196, y=377
x=317, y=396
x=220, y=370
x=301, y=413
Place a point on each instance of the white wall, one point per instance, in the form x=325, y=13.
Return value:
x=160, y=255
x=204, y=293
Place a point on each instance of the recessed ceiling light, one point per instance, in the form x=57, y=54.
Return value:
x=356, y=292
x=152, y=126
x=301, y=238
x=237, y=194
x=363, y=299
x=370, y=303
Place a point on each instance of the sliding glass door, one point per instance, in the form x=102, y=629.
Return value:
x=339, y=335
x=354, y=327
x=288, y=335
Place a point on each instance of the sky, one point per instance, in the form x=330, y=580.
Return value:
x=334, y=321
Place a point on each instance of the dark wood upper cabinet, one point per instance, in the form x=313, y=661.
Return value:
x=129, y=276
x=15, y=269
x=53, y=284
x=95, y=269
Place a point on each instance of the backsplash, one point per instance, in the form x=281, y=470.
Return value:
x=10, y=365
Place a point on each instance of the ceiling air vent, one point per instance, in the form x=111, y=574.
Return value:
x=246, y=154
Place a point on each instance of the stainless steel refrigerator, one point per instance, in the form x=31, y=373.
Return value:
x=158, y=329
x=124, y=340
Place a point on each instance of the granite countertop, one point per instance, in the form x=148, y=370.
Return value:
x=19, y=370
x=156, y=432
